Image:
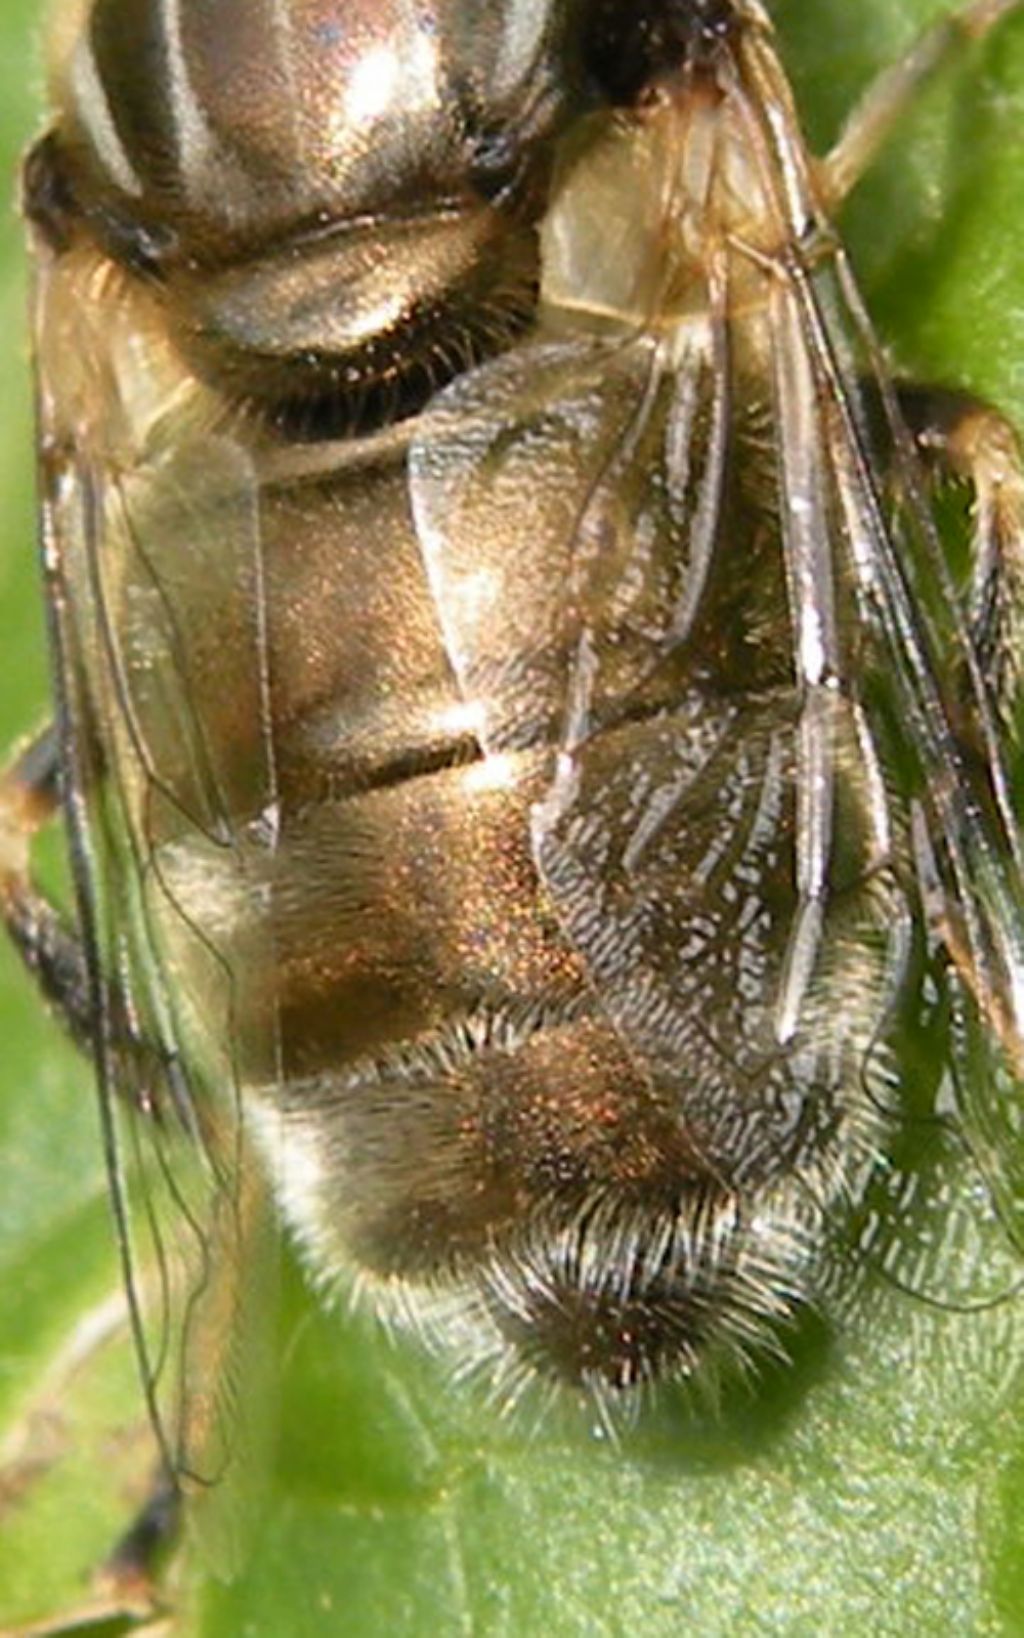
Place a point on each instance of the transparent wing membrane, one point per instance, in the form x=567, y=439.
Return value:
x=688, y=559
x=144, y=537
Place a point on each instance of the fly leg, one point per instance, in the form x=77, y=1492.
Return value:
x=231, y=1229
x=29, y=799
x=969, y=441
x=50, y=948
x=870, y=123
x=963, y=439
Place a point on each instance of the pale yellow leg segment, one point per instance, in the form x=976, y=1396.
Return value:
x=977, y=444
x=984, y=448
x=970, y=441
x=887, y=98
x=28, y=798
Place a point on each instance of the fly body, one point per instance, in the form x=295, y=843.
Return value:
x=528, y=761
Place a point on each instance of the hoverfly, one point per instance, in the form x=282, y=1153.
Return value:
x=529, y=754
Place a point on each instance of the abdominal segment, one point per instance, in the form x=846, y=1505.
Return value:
x=572, y=1118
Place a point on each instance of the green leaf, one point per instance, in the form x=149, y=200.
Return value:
x=876, y=1485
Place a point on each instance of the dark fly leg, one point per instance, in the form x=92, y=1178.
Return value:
x=123, y=1605
x=965, y=438
x=50, y=949
x=972, y=442
x=151, y=1085
x=30, y=798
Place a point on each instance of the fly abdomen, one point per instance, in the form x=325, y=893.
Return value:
x=479, y=590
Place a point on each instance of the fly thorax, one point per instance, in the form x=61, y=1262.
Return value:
x=328, y=205
x=647, y=208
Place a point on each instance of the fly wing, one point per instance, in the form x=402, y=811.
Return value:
x=679, y=576
x=562, y=547
x=635, y=631
x=152, y=560
x=936, y=721
x=945, y=738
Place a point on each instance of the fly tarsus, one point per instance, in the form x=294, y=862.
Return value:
x=971, y=441
x=129, y=1574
